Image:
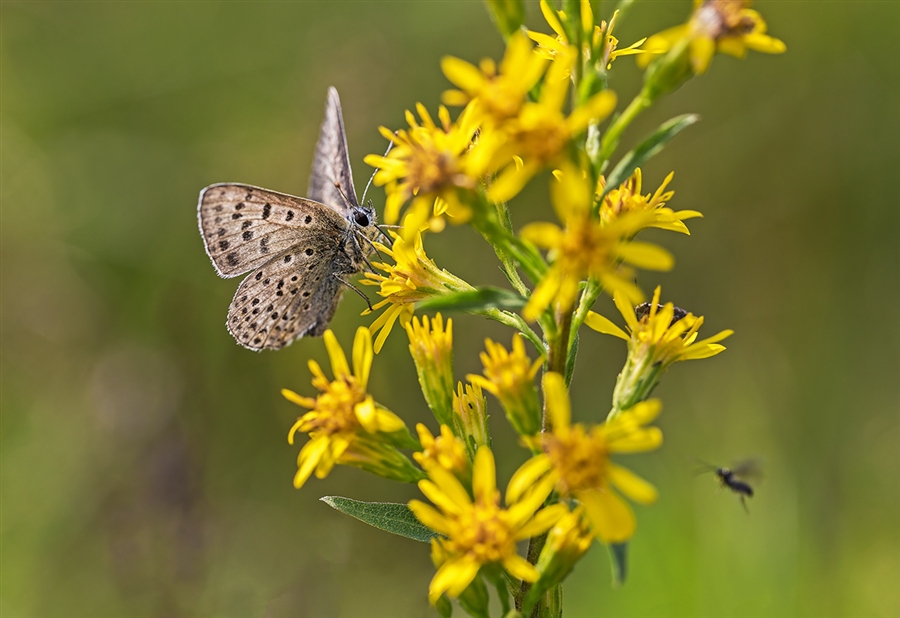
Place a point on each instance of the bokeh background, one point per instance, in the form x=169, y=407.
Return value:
x=145, y=468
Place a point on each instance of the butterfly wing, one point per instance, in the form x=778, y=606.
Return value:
x=293, y=295
x=331, y=181
x=244, y=227
x=295, y=248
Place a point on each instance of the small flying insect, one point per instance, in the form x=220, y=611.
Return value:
x=736, y=478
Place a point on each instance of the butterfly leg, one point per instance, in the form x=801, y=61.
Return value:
x=355, y=289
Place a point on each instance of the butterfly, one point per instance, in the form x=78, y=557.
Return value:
x=297, y=250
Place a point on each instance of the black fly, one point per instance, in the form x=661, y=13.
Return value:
x=736, y=478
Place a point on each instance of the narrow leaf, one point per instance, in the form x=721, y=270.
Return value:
x=619, y=553
x=508, y=15
x=480, y=299
x=646, y=150
x=388, y=516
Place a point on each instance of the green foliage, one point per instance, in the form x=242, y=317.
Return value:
x=388, y=516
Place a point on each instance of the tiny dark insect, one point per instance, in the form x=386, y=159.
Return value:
x=643, y=310
x=736, y=478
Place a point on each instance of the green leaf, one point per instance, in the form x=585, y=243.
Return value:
x=619, y=553
x=476, y=300
x=508, y=15
x=645, y=151
x=388, y=516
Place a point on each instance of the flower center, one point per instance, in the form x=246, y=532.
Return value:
x=335, y=407
x=579, y=457
x=484, y=532
x=583, y=246
x=430, y=169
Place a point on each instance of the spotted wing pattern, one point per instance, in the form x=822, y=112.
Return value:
x=244, y=227
x=331, y=164
x=296, y=250
x=293, y=295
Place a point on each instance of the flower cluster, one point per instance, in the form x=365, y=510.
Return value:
x=540, y=109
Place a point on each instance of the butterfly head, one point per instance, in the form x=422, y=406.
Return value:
x=363, y=216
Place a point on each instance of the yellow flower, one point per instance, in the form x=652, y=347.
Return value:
x=627, y=198
x=540, y=132
x=344, y=424
x=430, y=165
x=587, y=248
x=413, y=277
x=577, y=460
x=664, y=335
x=500, y=93
x=431, y=348
x=611, y=49
x=567, y=541
x=549, y=46
x=470, y=417
x=479, y=531
x=445, y=451
x=724, y=26
x=660, y=336
x=509, y=376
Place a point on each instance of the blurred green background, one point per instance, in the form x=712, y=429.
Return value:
x=145, y=468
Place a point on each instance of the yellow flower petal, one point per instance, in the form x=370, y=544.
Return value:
x=338, y=360
x=453, y=577
x=484, y=474
x=542, y=295
x=362, y=355
x=431, y=517
x=603, y=325
x=526, y=476
x=631, y=484
x=461, y=73
x=542, y=521
x=308, y=460
x=702, y=50
x=520, y=568
x=646, y=255
x=439, y=497
x=638, y=441
x=365, y=414
x=543, y=235
x=557, y=401
x=306, y=402
x=596, y=109
x=612, y=520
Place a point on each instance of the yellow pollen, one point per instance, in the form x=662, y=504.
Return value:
x=484, y=533
x=336, y=406
x=581, y=248
x=579, y=457
x=431, y=170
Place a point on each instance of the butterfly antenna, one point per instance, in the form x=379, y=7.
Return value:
x=372, y=177
x=355, y=289
x=343, y=195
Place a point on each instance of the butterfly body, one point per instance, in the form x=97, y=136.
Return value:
x=297, y=250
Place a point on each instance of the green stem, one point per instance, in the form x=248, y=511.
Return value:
x=509, y=265
x=619, y=124
x=535, y=546
x=507, y=245
x=515, y=321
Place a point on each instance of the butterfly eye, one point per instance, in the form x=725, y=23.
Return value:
x=361, y=218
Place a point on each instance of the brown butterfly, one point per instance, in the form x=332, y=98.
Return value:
x=297, y=250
